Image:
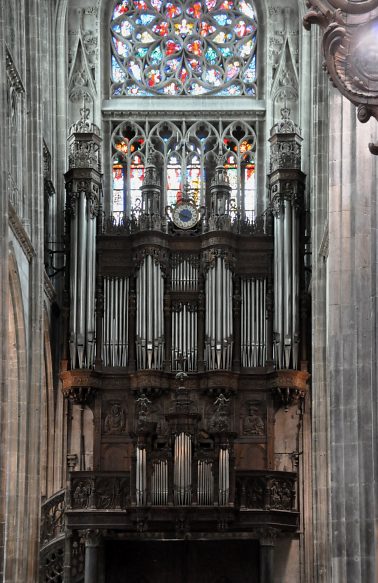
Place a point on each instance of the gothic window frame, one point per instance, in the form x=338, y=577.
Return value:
x=184, y=140
x=174, y=108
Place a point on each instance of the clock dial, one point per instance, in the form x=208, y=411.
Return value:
x=185, y=216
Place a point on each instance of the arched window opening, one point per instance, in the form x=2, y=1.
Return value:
x=185, y=154
x=171, y=47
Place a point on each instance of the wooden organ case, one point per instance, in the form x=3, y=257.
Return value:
x=186, y=369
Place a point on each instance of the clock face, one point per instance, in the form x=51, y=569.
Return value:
x=185, y=216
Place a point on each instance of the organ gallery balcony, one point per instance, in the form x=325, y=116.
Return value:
x=107, y=500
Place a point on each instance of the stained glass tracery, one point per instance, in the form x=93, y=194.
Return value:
x=164, y=47
x=185, y=154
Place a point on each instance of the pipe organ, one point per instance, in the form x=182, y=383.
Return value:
x=150, y=315
x=199, y=348
x=253, y=322
x=184, y=335
x=182, y=463
x=218, y=322
x=286, y=187
x=83, y=184
x=115, y=321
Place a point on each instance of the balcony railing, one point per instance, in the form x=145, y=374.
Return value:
x=52, y=517
x=254, y=490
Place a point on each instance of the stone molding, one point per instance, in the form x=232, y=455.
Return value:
x=13, y=74
x=20, y=233
x=49, y=288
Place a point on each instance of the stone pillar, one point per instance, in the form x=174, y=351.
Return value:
x=266, y=558
x=92, y=546
x=67, y=557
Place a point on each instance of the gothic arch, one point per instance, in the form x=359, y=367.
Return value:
x=16, y=413
x=48, y=425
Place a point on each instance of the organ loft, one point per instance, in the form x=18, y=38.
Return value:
x=185, y=372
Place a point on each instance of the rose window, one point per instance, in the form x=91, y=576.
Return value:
x=164, y=47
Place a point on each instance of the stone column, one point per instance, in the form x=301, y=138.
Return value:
x=92, y=545
x=67, y=557
x=266, y=558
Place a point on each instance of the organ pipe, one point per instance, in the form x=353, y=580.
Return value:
x=286, y=259
x=115, y=323
x=182, y=474
x=218, y=320
x=184, y=337
x=83, y=185
x=253, y=322
x=82, y=283
x=205, y=483
x=159, y=483
x=150, y=315
x=224, y=477
x=141, y=476
x=286, y=186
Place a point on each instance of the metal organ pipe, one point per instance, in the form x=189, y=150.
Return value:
x=182, y=474
x=73, y=282
x=82, y=283
x=184, y=315
x=286, y=292
x=141, y=476
x=253, y=322
x=159, y=483
x=205, y=487
x=150, y=311
x=218, y=320
x=115, y=325
x=224, y=476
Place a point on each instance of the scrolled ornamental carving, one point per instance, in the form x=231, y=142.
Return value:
x=178, y=258
x=84, y=155
x=91, y=192
x=159, y=256
x=115, y=420
x=287, y=191
x=350, y=47
x=285, y=155
x=52, y=564
x=52, y=518
x=210, y=257
x=178, y=305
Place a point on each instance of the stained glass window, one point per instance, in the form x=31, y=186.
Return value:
x=185, y=154
x=164, y=47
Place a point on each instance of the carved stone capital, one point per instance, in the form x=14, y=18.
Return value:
x=79, y=395
x=267, y=536
x=93, y=537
